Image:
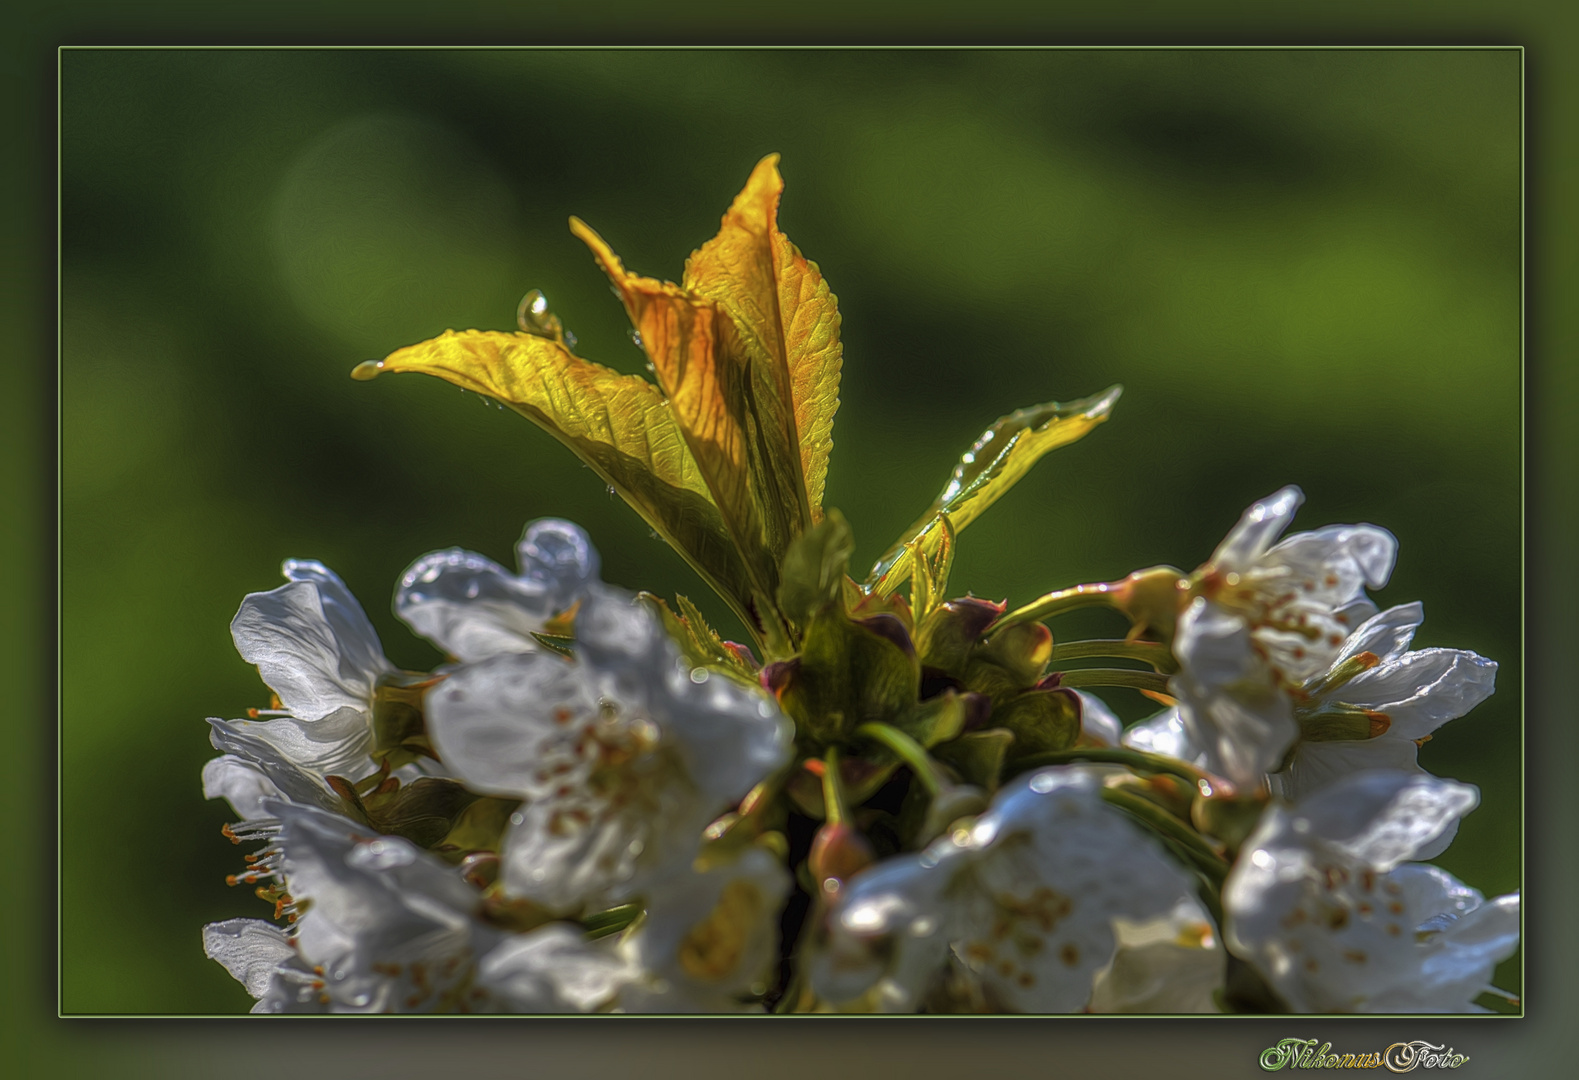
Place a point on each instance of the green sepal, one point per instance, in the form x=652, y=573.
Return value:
x=814, y=571
x=1339, y=722
x=479, y=827
x=861, y=777
x=847, y=675
x=699, y=643
x=1042, y=720
x=555, y=643
x=978, y=755
x=934, y=721
x=400, y=733
x=423, y=811
x=923, y=817
x=601, y=924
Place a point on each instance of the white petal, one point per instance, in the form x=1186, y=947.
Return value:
x=249, y=949
x=885, y=942
x=1098, y=723
x=1165, y=734
x=337, y=745
x=1422, y=690
x=710, y=936
x=240, y=782
x=559, y=555
x=1314, y=765
x=1173, y=964
x=286, y=776
x=553, y=970
x=1257, y=529
x=1059, y=865
x=488, y=721
x=1356, y=555
x=471, y=607
x=1387, y=635
x=312, y=646
x=1382, y=818
x=358, y=640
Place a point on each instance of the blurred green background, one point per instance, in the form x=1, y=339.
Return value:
x=1303, y=265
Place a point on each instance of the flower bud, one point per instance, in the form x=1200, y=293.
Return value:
x=838, y=853
x=1152, y=599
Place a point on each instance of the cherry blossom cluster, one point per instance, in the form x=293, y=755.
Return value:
x=575, y=814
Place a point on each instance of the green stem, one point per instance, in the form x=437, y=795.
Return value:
x=1056, y=603
x=1140, y=680
x=1154, y=653
x=1139, y=760
x=908, y=750
x=1170, y=828
x=835, y=811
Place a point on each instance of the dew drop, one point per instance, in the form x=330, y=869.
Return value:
x=517, y=818
x=367, y=369
x=635, y=336
x=612, y=492
x=699, y=675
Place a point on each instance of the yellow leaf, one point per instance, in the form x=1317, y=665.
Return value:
x=788, y=319
x=620, y=425
x=999, y=458
x=700, y=363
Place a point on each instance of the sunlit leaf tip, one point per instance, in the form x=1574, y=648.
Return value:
x=997, y=460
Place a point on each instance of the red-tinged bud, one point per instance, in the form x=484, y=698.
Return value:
x=743, y=654
x=889, y=626
x=978, y=710
x=481, y=869
x=838, y=853
x=946, y=637
x=1152, y=599
x=778, y=675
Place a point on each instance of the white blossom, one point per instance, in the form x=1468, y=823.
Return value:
x=1265, y=616
x=1323, y=901
x=382, y=926
x=623, y=754
x=1024, y=901
x=315, y=648
x=1378, y=699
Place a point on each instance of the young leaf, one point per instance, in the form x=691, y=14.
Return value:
x=1004, y=453
x=931, y=559
x=618, y=424
x=814, y=569
x=788, y=321
x=699, y=361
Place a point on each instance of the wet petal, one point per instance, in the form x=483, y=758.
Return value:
x=470, y=606
x=249, y=949
x=1422, y=690
x=1257, y=529
x=240, y=782
x=1165, y=734
x=1098, y=723
x=553, y=970
x=311, y=644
